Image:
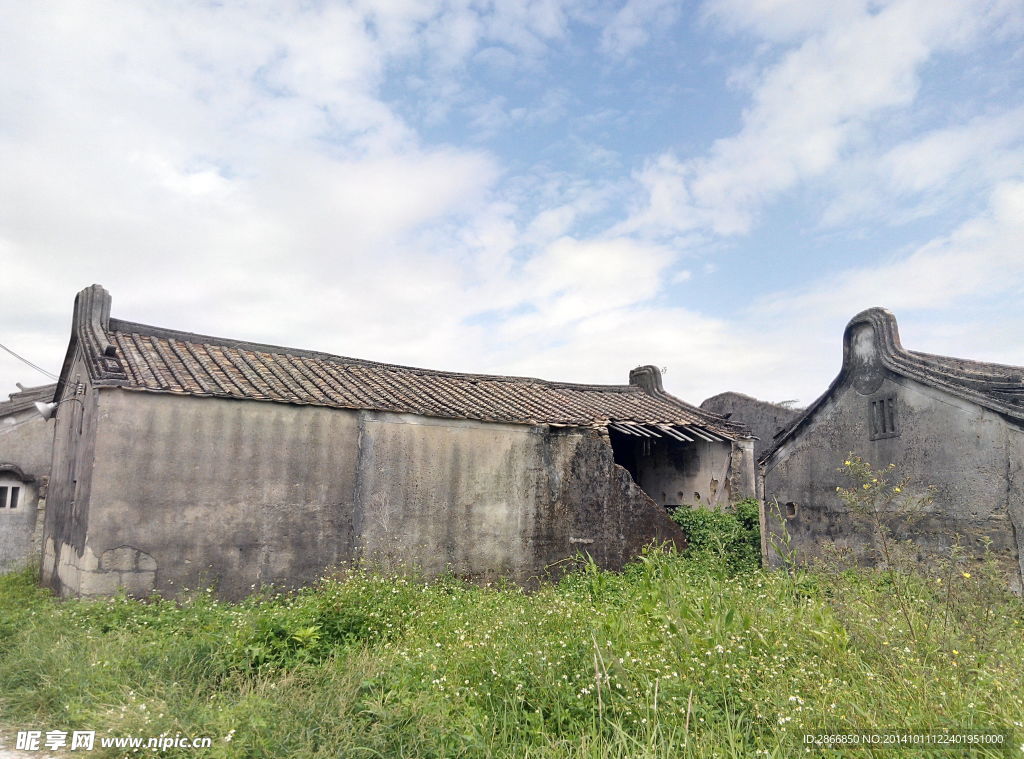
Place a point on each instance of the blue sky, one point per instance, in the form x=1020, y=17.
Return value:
x=557, y=188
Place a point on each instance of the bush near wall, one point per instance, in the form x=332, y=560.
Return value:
x=732, y=537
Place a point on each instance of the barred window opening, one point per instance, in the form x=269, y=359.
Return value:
x=883, y=420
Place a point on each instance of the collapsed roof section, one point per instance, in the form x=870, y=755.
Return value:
x=152, y=359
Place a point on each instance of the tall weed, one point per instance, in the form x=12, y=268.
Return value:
x=673, y=657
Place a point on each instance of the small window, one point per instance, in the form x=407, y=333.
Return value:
x=883, y=420
x=790, y=510
x=9, y=496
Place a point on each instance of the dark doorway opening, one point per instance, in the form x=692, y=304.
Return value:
x=661, y=467
x=626, y=451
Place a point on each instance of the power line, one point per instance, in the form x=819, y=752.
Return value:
x=51, y=375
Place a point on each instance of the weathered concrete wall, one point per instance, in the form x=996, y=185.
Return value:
x=674, y=473
x=762, y=418
x=26, y=439
x=1015, y=489
x=67, y=502
x=18, y=525
x=605, y=512
x=972, y=457
x=25, y=442
x=742, y=470
x=694, y=474
x=189, y=491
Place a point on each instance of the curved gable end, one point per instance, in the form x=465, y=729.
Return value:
x=997, y=387
x=871, y=345
x=89, y=338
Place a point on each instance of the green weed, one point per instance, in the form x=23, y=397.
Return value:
x=730, y=537
x=673, y=657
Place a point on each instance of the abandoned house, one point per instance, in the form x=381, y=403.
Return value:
x=764, y=419
x=25, y=444
x=948, y=423
x=183, y=460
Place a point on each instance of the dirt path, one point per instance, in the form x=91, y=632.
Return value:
x=7, y=750
x=10, y=753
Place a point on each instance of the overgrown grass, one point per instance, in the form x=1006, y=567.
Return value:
x=675, y=657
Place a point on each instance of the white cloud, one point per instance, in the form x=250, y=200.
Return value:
x=235, y=170
x=243, y=170
x=573, y=279
x=931, y=171
x=975, y=273
x=703, y=355
x=848, y=67
x=213, y=165
x=496, y=115
x=981, y=258
x=566, y=204
x=783, y=20
x=631, y=26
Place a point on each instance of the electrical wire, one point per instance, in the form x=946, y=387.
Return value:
x=51, y=375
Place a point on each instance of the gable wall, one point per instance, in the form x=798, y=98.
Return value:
x=68, y=493
x=963, y=450
x=763, y=419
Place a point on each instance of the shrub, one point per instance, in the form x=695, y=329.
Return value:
x=731, y=536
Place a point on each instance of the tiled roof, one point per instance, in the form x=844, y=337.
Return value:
x=1001, y=384
x=23, y=399
x=140, y=357
x=163, y=361
x=997, y=387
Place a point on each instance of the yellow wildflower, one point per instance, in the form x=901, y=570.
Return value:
x=966, y=574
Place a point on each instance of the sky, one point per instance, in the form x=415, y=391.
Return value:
x=555, y=188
